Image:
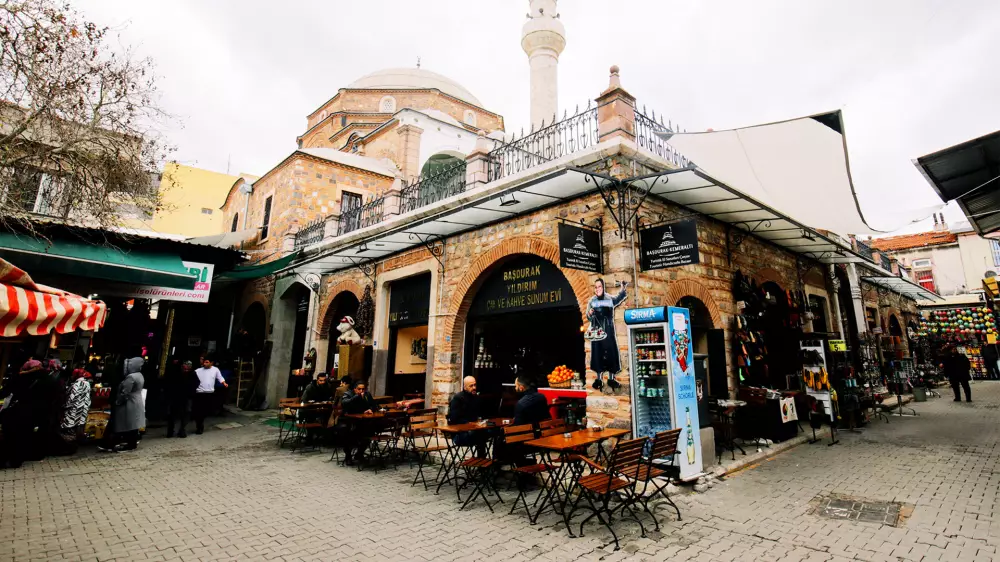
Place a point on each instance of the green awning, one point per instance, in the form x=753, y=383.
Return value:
x=79, y=259
x=260, y=270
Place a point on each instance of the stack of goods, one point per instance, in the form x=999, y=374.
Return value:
x=957, y=325
x=750, y=351
x=561, y=377
x=975, y=355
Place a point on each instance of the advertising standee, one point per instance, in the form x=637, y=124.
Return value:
x=685, y=392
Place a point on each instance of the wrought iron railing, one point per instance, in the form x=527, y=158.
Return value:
x=310, y=233
x=571, y=134
x=362, y=216
x=647, y=139
x=431, y=189
x=885, y=261
x=864, y=250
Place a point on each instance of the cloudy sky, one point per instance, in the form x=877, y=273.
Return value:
x=912, y=76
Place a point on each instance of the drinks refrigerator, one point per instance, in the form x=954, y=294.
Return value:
x=664, y=391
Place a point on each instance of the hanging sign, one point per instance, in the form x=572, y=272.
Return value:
x=410, y=300
x=523, y=284
x=837, y=345
x=580, y=248
x=669, y=245
x=200, y=292
x=685, y=392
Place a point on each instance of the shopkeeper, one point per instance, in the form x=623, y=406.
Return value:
x=604, y=357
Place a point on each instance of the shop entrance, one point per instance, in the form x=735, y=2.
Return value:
x=344, y=304
x=409, y=309
x=524, y=319
x=298, y=297
x=709, y=346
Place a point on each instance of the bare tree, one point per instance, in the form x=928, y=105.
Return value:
x=78, y=120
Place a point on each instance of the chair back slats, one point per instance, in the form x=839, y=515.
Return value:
x=518, y=433
x=286, y=402
x=549, y=424
x=553, y=431
x=626, y=454
x=665, y=444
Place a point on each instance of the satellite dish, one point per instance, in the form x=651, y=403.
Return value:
x=312, y=281
x=990, y=273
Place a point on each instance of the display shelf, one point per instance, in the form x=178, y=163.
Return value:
x=651, y=360
x=650, y=344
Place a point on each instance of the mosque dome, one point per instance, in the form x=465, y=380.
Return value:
x=413, y=79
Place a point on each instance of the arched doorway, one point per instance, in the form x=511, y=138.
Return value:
x=895, y=329
x=782, y=338
x=709, y=344
x=524, y=318
x=343, y=304
x=254, y=324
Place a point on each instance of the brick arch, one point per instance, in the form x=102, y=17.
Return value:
x=326, y=322
x=677, y=290
x=765, y=274
x=465, y=290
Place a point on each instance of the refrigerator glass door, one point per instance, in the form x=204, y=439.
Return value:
x=650, y=379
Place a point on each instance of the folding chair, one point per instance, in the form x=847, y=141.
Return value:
x=606, y=484
x=311, y=423
x=512, y=435
x=664, y=446
x=421, y=435
x=385, y=444
x=285, y=418
x=424, y=432
x=480, y=473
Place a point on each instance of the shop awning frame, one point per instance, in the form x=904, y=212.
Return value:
x=37, y=310
x=969, y=174
x=903, y=286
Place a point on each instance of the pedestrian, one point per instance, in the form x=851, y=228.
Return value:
x=204, y=395
x=956, y=367
x=77, y=408
x=180, y=386
x=19, y=397
x=604, y=359
x=129, y=409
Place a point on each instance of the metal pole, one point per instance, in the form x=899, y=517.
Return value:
x=166, y=342
x=232, y=319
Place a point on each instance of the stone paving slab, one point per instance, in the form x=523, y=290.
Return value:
x=232, y=495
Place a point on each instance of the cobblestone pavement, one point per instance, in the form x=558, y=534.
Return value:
x=231, y=494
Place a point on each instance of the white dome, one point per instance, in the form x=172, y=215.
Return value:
x=411, y=79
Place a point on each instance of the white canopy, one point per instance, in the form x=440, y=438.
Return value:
x=226, y=239
x=798, y=167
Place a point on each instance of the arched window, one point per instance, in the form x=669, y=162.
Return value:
x=236, y=222
x=470, y=117
x=387, y=105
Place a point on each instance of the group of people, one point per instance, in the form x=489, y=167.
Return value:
x=191, y=392
x=354, y=398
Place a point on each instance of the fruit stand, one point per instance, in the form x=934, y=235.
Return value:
x=565, y=395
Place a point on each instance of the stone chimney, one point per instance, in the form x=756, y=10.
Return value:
x=543, y=39
x=940, y=225
x=615, y=111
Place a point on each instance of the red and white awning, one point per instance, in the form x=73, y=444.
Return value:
x=29, y=308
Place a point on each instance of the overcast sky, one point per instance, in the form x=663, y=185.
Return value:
x=912, y=76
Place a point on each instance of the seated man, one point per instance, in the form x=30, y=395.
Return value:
x=464, y=408
x=359, y=401
x=318, y=390
x=532, y=407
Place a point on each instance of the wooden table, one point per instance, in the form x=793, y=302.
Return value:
x=577, y=440
x=450, y=463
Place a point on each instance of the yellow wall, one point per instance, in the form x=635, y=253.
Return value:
x=404, y=339
x=185, y=192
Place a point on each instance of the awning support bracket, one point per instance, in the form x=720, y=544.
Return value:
x=367, y=268
x=735, y=235
x=433, y=244
x=623, y=197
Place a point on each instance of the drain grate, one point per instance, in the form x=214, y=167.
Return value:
x=857, y=509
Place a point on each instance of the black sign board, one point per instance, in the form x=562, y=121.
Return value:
x=410, y=301
x=525, y=283
x=669, y=245
x=580, y=248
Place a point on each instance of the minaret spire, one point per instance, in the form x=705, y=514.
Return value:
x=543, y=38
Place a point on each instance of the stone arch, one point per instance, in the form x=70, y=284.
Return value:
x=677, y=290
x=765, y=274
x=465, y=290
x=291, y=288
x=326, y=308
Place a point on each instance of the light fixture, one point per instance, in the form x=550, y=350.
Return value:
x=508, y=200
x=362, y=248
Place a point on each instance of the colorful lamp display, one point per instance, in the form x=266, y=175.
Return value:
x=957, y=324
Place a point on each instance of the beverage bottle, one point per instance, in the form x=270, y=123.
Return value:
x=690, y=436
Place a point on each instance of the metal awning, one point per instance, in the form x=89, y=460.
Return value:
x=903, y=286
x=968, y=173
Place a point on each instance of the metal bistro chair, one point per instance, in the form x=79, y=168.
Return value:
x=664, y=447
x=423, y=444
x=384, y=446
x=412, y=434
x=310, y=426
x=608, y=483
x=512, y=436
x=285, y=419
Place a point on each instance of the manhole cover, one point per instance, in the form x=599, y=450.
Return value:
x=857, y=509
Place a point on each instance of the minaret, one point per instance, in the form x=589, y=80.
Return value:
x=543, y=38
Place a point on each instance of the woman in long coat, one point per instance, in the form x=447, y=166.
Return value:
x=130, y=410
x=604, y=352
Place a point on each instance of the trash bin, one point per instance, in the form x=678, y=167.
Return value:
x=919, y=394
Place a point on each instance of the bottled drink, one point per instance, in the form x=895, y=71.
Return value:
x=690, y=436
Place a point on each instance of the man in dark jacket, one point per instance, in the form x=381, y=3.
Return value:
x=358, y=401
x=532, y=406
x=464, y=406
x=318, y=390
x=179, y=385
x=956, y=367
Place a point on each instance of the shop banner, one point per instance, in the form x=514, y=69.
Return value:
x=523, y=284
x=580, y=248
x=200, y=292
x=685, y=393
x=645, y=315
x=410, y=300
x=669, y=245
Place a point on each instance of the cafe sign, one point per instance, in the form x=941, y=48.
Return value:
x=580, y=248
x=523, y=284
x=669, y=245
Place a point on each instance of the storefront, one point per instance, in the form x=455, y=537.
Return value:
x=409, y=311
x=970, y=328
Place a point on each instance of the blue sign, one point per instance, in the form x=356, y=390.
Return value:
x=645, y=315
x=685, y=392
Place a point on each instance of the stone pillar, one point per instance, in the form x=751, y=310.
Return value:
x=409, y=151
x=392, y=205
x=543, y=39
x=856, y=298
x=331, y=226
x=615, y=111
x=477, y=163
x=835, y=294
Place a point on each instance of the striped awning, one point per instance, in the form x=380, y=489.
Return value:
x=29, y=308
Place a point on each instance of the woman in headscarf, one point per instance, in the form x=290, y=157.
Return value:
x=52, y=402
x=19, y=398
x=77, y=407
x=604, y=350
x=130, y=410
